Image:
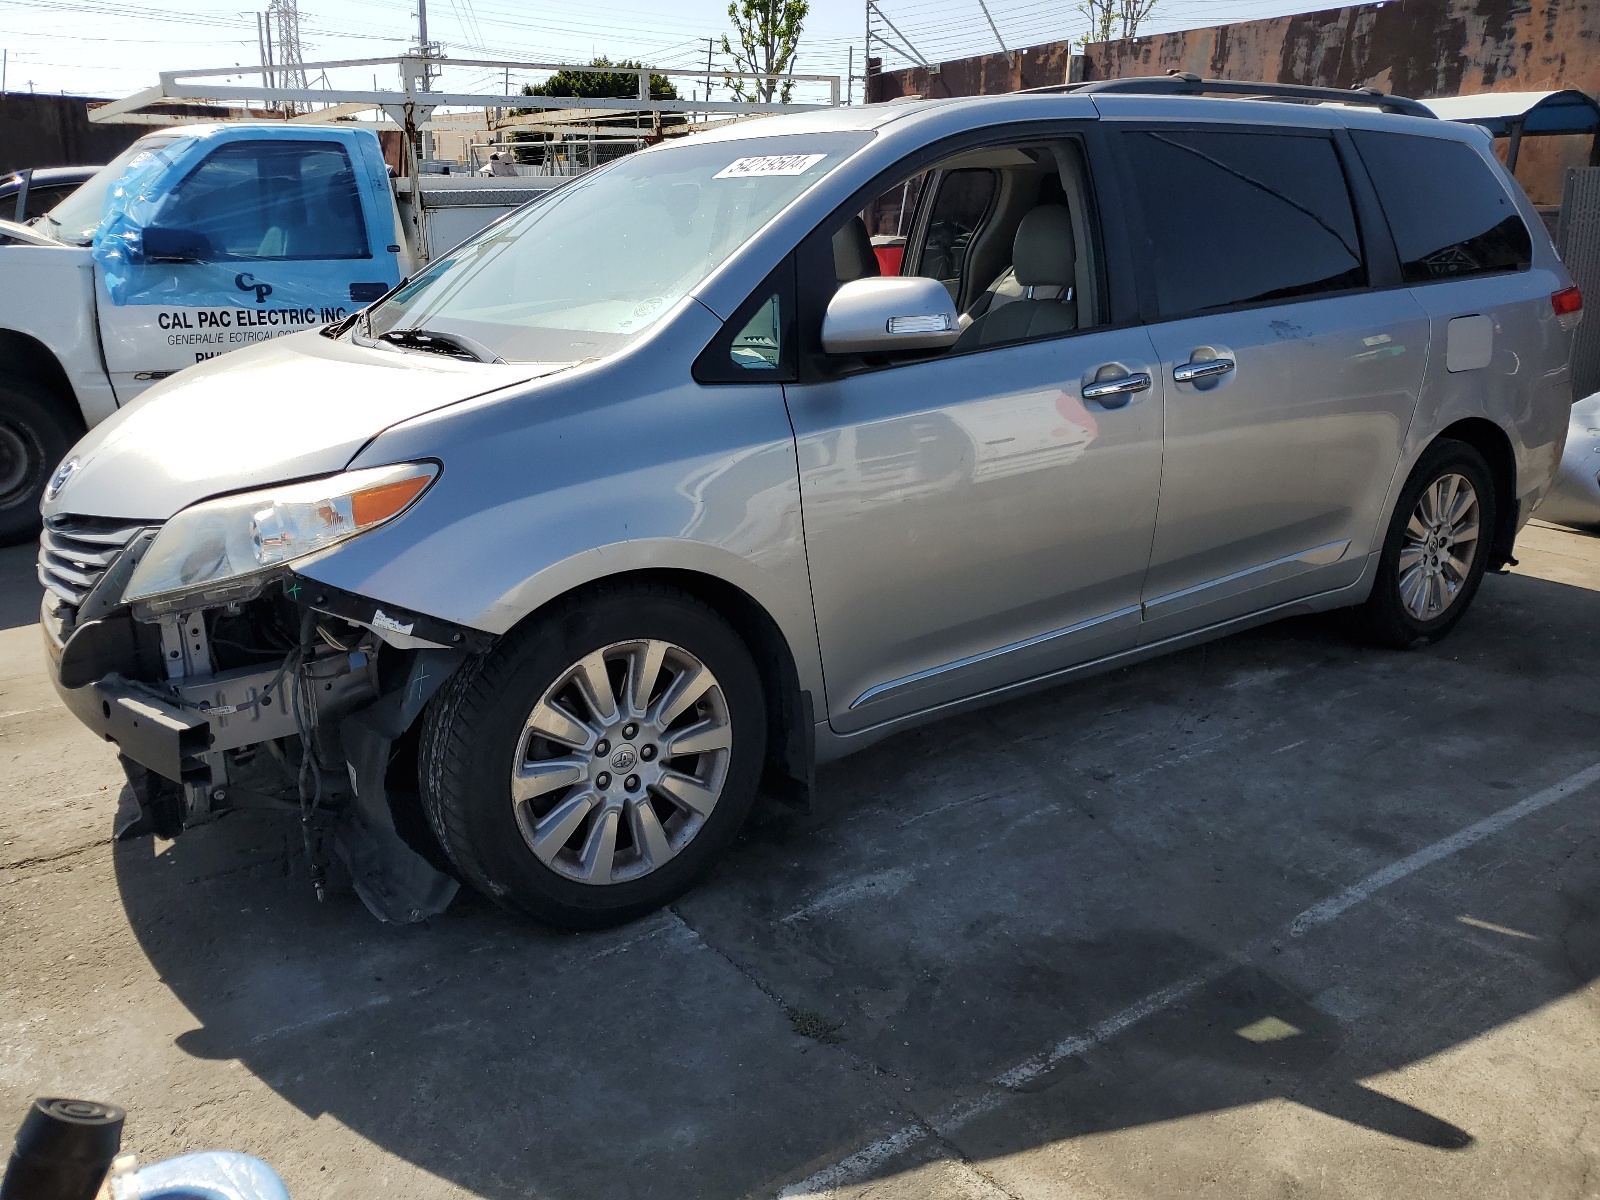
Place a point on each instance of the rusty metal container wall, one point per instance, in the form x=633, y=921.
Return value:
x=1578, y=239
x=1419, y=48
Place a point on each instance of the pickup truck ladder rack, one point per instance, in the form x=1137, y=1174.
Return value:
x=1179, y=83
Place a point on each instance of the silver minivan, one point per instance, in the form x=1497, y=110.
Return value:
x=744, y=452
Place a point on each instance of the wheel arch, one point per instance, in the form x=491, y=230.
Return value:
x=23, y=356
x=1489, y=440
x=791, y=743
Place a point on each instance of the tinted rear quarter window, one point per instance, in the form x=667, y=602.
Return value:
x=1238, y=218
x=1450, y=215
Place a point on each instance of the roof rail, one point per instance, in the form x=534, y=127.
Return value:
x=1180, y=83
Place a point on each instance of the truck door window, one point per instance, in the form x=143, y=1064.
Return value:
x=271, y=200
x=1239, y=218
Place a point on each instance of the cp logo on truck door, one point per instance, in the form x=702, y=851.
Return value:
x=246, y=282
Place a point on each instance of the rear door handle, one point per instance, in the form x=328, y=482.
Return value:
x=1114, y=393
x=1204, y=368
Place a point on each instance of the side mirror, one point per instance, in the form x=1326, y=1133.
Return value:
x=884, y=315
x=175, y=245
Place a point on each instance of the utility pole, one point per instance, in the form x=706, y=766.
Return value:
x=269, y=76
x=709, y=44
x=866, y=59
x=850, y=78
x=264, y=46
x=3, y=64
x=426, y=50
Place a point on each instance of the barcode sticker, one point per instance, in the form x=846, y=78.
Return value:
x=769, y=164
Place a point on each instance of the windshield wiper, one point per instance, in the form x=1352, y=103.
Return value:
x=454, y=344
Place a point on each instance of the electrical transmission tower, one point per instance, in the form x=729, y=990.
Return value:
x=283, y=19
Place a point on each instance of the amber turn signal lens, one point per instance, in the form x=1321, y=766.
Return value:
x=374, y=504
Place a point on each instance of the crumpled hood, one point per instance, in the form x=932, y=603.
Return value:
x=291, y=408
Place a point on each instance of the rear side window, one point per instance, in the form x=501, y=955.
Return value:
x=1449, y=214
x=1241, y=218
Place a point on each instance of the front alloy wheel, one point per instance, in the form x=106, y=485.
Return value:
x=595, y=763
x=621, y=762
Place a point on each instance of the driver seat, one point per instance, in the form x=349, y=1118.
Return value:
x=1043, y=255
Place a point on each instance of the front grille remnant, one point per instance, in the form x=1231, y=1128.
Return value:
x=74, y=553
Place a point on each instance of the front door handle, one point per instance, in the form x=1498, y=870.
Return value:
x=1114, y=393
x=1202, y=368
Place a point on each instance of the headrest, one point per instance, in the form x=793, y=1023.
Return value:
x=852, y=252
x=1043, y=254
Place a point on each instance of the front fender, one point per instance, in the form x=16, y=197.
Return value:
x=565, y=486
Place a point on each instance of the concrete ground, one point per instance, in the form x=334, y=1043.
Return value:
x=1281, y=916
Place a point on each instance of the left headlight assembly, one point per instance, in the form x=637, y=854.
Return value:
x=223, y=542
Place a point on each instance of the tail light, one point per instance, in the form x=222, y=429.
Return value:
x=1568, y=303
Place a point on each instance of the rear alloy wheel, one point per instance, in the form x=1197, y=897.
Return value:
x=595, y=763
x=1437, y=548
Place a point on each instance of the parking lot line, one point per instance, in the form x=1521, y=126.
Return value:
x=864, y=1161
x=1321, y=914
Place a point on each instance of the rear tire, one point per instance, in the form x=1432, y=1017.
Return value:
x=565, y=791
x=35, y=435
x=1436, y=550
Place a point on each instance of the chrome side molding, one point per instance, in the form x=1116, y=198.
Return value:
x=1290, y=564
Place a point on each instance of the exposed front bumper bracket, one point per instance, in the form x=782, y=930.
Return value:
x=160, y=736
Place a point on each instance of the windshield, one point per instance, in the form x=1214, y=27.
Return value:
x=577, y=274
x=76, y=218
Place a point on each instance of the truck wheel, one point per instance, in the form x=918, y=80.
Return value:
x=594, y=764
x=34, y=436
x=1436, y=550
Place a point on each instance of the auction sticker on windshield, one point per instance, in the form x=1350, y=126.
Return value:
x=769, y=164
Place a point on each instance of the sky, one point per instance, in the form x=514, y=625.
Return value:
x=109, y=48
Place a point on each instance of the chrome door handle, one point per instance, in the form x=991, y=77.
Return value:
x=1204, y=368
x=1138, y=381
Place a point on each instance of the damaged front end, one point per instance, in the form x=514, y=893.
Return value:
x=255, y=689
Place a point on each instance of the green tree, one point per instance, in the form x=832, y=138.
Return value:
x=1110, y=20
x=769, y=34
x=619, y=85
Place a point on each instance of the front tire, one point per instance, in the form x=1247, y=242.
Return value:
x=1436, y=550
x=35, y=435
x=596, y=763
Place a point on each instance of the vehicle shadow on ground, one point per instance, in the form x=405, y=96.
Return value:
x=19, y=591
x=967, y=896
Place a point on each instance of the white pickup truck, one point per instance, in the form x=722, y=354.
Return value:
x=196, y=240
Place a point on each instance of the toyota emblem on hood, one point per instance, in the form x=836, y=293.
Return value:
x=59, y=479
